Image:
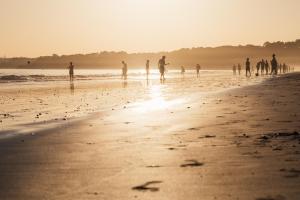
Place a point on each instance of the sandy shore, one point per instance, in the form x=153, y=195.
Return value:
x=237, y=144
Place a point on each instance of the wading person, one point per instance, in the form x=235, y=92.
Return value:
x=248, y=67
x=234, y=70
x=147, y=68
x=71, y=71
x=274, y=65
x=257, y=68
x=267, y=67
x=162, y=67
x=124, y=70
x=182, y=70
x=198, y=67
x=262, y=67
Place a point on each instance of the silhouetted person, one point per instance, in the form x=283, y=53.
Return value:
x=71, y=71
x=267, y=67
x=198, y=68
x=234, y=70
x=257, y=68
x=248, y=67
x=162, y=67
x=124, y=70
x=274, y=65
x=239, y=68
x=262, y=67
x=147, y=68
x=284, y=68
x=280, y=68
x=182, y=70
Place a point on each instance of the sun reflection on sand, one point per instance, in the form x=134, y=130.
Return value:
x=157, y=101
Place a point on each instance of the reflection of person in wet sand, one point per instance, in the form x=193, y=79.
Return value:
x=71, y=71
x=147, y=68
x=198, y=67
x=248, y=67
x=162, y=67
x=72, y=88
x=124, y=70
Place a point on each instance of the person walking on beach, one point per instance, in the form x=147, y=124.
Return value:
x=274, y=65
x=161, y=65
x=198, y=67
x=257, y=68
x=71, y=71
x=239, y=69
x=248, y=67
x=124, y=70
x=262, y=67
x=267, y=67
x=147, y=68
x=234, y=70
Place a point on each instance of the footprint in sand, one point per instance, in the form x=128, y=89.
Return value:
x=146, y=186
x=192, y=163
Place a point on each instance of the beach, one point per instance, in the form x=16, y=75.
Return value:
x=216, y=137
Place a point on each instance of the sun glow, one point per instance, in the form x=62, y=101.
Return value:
x=157, y=101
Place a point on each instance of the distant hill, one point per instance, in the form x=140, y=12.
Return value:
x=209, y=58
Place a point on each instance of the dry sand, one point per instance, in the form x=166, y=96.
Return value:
x=238, y=144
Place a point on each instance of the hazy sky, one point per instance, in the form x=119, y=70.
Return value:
x=44, y=27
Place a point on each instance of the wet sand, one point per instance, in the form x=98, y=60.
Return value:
x=241, y=143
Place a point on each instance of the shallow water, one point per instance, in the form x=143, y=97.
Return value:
x=46, y=97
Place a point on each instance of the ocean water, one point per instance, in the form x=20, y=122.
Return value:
x=40, y=75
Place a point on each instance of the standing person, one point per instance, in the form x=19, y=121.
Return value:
x=147, y=68
x=182, y=70
x=198, y=67
x=234, y=70
x=124, y=70
x=284, y=68
x=262, y=67
x=280, y=68
x=239, y=68
x=71, y=71
x=257, y=68
x=248, y=67
x=267, y=67
x=274, y=65
x=162, y=67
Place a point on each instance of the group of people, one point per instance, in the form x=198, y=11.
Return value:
x=237, y=68
x=161, y=66
x=262, y=67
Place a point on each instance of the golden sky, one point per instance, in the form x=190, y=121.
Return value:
x=43, y=27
